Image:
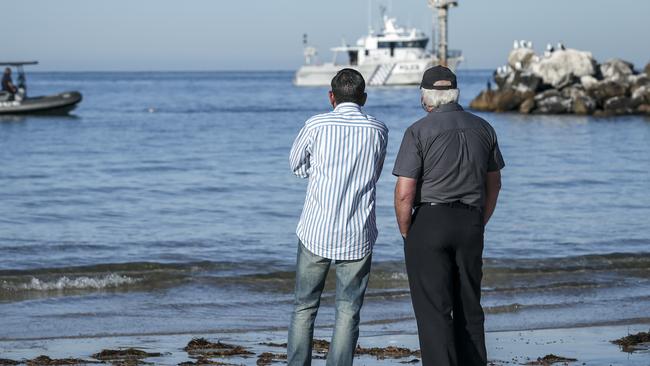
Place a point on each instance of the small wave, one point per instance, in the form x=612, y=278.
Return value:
x=568, y=183
x=110, y=280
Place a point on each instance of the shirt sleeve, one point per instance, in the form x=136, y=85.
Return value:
x=495, y=161
x=409, y=158
x=382, y=152
x=299, y=158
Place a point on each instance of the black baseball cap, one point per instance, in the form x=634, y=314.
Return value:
x=435, y=74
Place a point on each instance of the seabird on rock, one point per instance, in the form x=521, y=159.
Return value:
x=515, y=45
x=560, y=46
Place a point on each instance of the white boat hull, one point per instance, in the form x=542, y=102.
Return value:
x=400, y=73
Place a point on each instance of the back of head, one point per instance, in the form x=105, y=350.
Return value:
x=7, y=71
x=349, y=86
x=439, y=87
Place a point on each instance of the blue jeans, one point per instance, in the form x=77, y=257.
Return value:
x=351, y=282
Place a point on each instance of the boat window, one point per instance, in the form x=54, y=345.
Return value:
x=354, y=57
x=421, y=43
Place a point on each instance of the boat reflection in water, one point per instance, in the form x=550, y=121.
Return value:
x=394, y=56
x=20, y=103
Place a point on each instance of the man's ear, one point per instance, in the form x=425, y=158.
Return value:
x=363, y=99
x=332, y=99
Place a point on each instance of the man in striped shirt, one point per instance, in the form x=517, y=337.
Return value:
x=342, y=153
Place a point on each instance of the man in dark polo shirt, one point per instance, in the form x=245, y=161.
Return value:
x=449, y=178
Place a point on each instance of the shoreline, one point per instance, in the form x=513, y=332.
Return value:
x=590, y=345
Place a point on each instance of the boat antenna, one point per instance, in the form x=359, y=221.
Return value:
x=370, y=16
x=442, y=9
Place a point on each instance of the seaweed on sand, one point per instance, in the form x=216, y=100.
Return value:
x=46, y=361
x=203, y=347
x=550, y=360
x=382, y=353
x=633, y=342
x=124, y=357
x=318, y=345
x=202, y=361
x=267, y=358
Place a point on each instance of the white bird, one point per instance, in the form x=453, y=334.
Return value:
x=522, y=44
x=529, y=44
x=560, y=46
x=515, y=45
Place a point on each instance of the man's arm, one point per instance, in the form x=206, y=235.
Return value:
x=382, y=154
x=300, y=154
x=404, y=197
x=492, y=188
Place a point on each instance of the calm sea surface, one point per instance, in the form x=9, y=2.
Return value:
x=165, y=204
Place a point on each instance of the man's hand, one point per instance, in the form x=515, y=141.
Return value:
x=404, y=196
x=492, y=188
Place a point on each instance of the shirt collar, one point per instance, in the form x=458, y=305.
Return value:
x=450, y=107
x=347, y=106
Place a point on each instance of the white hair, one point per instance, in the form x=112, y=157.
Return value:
x=432, y=98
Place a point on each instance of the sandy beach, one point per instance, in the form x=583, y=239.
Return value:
x=588, y=346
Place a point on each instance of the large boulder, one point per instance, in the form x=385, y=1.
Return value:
x=527, y=106
x=588, y=81
x=619, y=105
x=552, y=102
x=507, y=100
x=483, y=102
x=638, y=81
x=643, y=109
x=584, y=105
x=501, y=79
x=581, y=103
x=641, y=95
x=523, y=82
x=522, y=58
x=562, y=65
x=606, y=89
x=616, y=69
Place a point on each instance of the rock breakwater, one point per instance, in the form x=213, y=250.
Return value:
x=565, y=81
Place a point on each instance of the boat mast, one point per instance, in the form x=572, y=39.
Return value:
x=442, y=9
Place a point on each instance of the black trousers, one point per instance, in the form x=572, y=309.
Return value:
x=444, y=260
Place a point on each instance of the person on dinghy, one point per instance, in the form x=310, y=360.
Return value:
x=8, y=84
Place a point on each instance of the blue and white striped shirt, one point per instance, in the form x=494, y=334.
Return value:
x=342, y=153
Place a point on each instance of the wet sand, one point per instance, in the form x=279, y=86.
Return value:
x=587, y=346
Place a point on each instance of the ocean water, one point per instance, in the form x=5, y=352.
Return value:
x=164, y=205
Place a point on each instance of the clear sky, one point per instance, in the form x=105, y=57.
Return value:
x=267, y=34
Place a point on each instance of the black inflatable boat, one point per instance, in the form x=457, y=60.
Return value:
x=56, y=104
x=20, y=103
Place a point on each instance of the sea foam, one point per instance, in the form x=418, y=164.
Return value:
x=64, y=283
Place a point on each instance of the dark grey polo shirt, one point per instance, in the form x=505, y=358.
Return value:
x=449, y=152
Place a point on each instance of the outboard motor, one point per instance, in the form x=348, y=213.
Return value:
x=20, y=94
x=22, y=84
